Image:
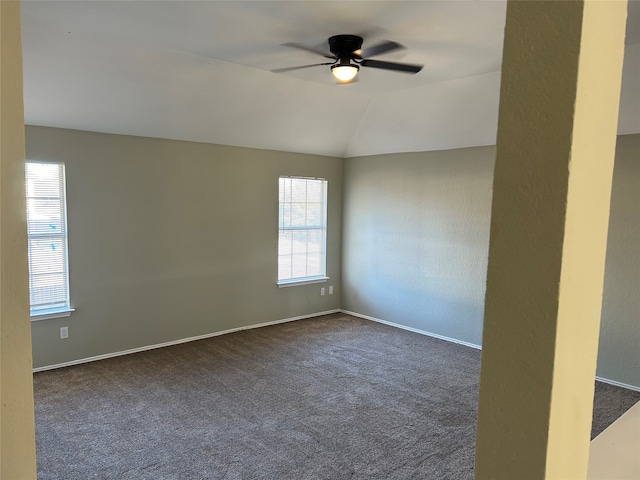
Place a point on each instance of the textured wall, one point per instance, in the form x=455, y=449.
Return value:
x=415, y=239
x=559, y=96
x=415, y=243
x=17, y=442
x=619, y=350
x=170, y=239
x=428, y=213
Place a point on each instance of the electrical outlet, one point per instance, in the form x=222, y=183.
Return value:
x=330, y=289
x=322, y=291
x=64, y=332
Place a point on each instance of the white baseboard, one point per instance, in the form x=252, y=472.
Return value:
x=179, y=341
x=285, y=320
x=472, y=345
x=618, y=384
x=415, y=330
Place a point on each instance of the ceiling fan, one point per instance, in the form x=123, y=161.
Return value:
x=348, y=56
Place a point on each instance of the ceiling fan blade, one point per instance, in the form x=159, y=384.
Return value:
x=288, y=69
x=399, y=67
x=384, y=47
x=309, y=49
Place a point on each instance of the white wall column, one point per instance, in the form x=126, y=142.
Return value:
x=559, y=99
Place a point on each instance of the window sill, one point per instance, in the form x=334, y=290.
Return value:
x=301, y=281
x=47, y=315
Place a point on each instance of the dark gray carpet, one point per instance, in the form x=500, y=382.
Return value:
x=333, y=397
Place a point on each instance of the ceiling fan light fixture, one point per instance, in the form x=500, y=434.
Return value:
x=345, y=73
x=347, y=55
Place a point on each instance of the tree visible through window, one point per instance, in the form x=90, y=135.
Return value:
x=302, y=224
x=47, y=238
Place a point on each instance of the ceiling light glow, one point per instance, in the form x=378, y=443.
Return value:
x=345, y=73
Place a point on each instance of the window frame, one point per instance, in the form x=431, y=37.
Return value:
x=322, y=228
x=43, y=312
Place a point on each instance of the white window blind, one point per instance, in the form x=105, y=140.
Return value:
x=302, y=224
x=47, y=238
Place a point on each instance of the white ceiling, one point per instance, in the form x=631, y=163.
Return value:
x=200, y=71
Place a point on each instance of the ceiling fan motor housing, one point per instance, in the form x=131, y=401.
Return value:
x=344, y=45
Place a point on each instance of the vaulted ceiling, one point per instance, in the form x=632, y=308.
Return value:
x=201, y=71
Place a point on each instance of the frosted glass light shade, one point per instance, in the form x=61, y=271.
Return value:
x=344, y=73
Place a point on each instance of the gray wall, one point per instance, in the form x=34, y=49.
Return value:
x=619, y=351
x=416, y=238
x=415, y=244
x=172, y=239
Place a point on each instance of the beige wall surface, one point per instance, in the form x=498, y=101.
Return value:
x=164, y=245
x=416, y=238
x=559, y=96
x=619, y=348
x=415, y=245
x=171, y=239
x=17, y=445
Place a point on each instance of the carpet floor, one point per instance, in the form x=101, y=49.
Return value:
x=333, y=397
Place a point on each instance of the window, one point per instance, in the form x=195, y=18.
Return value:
x=302, y=224
x=47, y=239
